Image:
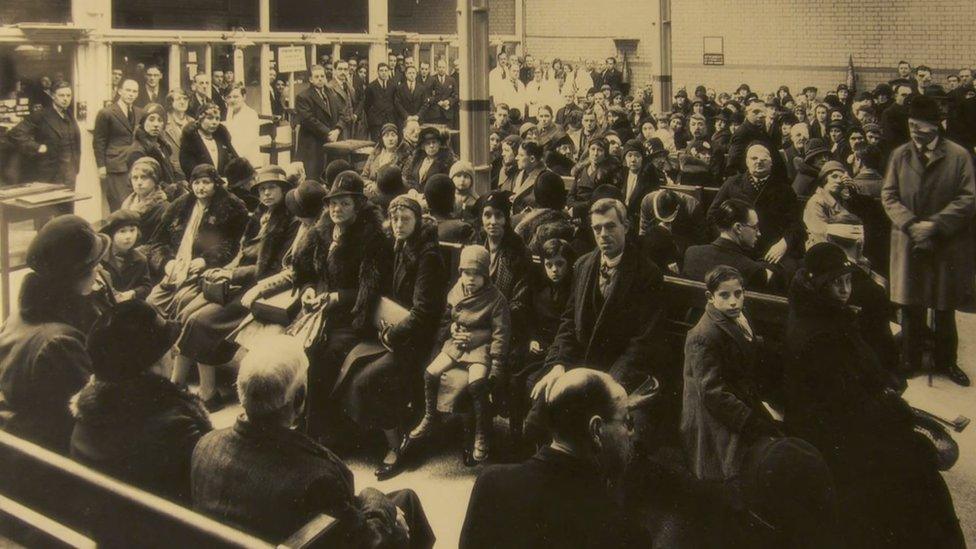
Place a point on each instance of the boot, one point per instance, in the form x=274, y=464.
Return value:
x=426, y=425
x=482, y=419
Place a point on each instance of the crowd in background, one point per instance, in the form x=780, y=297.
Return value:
x=543, y=300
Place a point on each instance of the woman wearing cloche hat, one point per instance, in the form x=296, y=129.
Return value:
x=841, y=400
x=42, y=346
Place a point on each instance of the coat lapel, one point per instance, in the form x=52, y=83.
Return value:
x=51, y=119
x=123, y=119
x=618, y=288
x=726, y=325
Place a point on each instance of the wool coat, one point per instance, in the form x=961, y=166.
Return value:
x=141, y=431
x=485, y=315
x=62, y=138
x=193, y=152
x=941, y=191
x=316, y=117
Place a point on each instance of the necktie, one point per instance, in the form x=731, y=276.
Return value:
x=131, y=116
x=410, y=87
x=606, y=275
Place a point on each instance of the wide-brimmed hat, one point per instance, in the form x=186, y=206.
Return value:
x=925, y=108
x=824, y=262
x=271, y=174
x=66, y=246
x=129, y=339
x=307, y=200
x=347, y=183
x=815, y=147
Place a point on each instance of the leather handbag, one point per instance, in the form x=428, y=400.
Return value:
x=280, y=308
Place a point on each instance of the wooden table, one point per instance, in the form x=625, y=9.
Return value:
x=13, y=211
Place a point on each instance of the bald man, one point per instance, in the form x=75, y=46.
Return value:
x=781, y=235
x=561, y=496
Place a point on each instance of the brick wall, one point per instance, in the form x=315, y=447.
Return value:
x=585, y=30
x=801, y=42
x=440, y=16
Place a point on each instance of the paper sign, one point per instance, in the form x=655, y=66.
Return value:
x=291, y=59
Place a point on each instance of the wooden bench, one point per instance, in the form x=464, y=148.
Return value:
x=269, y=128
x=47, y=499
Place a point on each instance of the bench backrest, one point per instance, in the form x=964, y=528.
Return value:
x=110, y=512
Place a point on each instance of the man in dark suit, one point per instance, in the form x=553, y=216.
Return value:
x=612, y=76
x=200, y=93
x=265, y=476
x=894, y=120
x=343, y=91
x=637, y=178
x=410, y=97
x=151, y=92
x=738, y=224
x=615, y=309
x=443, y=104
x=50, y=140
x=316, y=112
x=115, y=127
x=424, y=76
x=782, y=236
x=530, y=164
x=379, y=102
x=564, y=496
x=753, y=129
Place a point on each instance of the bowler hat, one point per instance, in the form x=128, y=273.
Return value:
x=926, y=109
x=271, y=174
x=347, y=183
x=66, y=246
x=655, y=147
x=306, y=200
x=118, y=219
x=128, y=340
x=839, y=124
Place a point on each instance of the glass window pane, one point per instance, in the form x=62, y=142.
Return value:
x=195, y=15
x=328, y=15
x=36, y=11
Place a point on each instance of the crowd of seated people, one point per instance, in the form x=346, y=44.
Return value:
x=543, y=300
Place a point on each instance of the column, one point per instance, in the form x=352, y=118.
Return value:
x=265, y=78
x=378, y=28
x=174, y=67
x=473, y=51
x=660, y=37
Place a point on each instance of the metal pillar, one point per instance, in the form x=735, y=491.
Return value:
x=661, y=81
x=473, y=51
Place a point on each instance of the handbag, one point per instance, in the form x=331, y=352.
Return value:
x=280, y=308
x=216, y=291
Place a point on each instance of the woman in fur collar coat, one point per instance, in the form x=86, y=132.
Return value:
x=340, y=270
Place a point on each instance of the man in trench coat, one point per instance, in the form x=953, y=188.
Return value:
x=929, y=195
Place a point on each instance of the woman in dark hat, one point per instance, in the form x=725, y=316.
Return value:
x=376, y=396
x=43, y=360
x=430, y=157
x=341, y=268
x=333, y=169
x=549, y=210
x=559, y=155
x=389, y=185
x=147, y=198
x=131, y=423
x=199, y=231
x=839, y=399
x=440, y=195
x=124, y=272
x=808, y=168
x=595, y=169
x=267, y=237
x=150, y=140
x=390, y=151
x=206, y=141
x=509, y=167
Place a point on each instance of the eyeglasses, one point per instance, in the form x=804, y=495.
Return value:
x=753, y=227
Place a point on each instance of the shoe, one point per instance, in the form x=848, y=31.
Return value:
x=389, y=470
x=480, y=451
x=956, y=375
x=214, y=403
x=424, y=428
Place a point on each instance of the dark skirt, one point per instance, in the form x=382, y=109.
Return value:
x=373, y=397
x=205, y=331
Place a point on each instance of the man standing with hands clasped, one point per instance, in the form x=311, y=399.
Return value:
x=929, y=195
x=115, y=126
x=316, y=110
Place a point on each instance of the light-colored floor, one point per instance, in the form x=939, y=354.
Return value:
x=444, y=484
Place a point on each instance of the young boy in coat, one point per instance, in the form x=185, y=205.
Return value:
x=476, y=329
x=124, y=271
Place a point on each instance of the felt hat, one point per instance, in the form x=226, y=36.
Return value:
x=152, y=108
x=307, y=200
x=655, y=147
x=428, y=133
x=525, y=128
x=389, y=180
x=815, y=147
x=550, y=191
x=333, y=169
x=347, y=183
x=824, y=262
x=206, y=171
x=129, y=339
x=66, y=246
x=439, y=193
x=829, y=167
x=462, y=167
x=633, y=145
x=271, y=174
x=475, y=258
x=926, y=109
x=118, y=219
x=237, y=170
